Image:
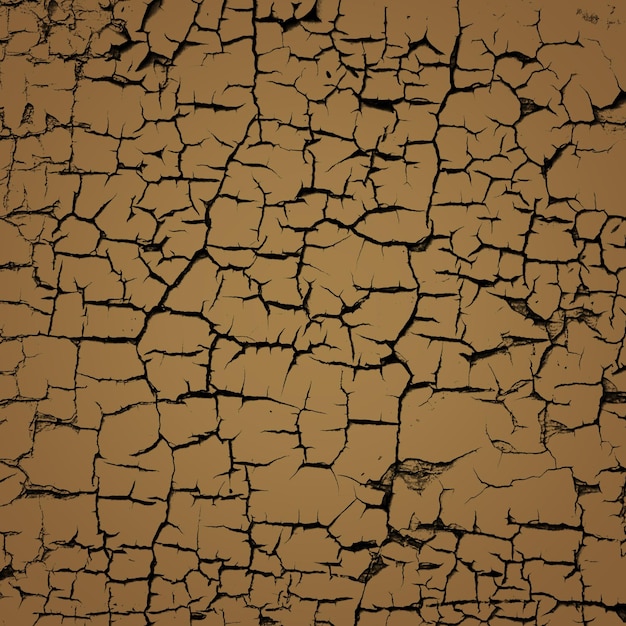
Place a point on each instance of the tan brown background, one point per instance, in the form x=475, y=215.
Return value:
x=312, y=313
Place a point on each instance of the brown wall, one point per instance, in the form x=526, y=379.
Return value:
x=312, y=313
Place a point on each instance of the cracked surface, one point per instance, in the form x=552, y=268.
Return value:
x=312, y=312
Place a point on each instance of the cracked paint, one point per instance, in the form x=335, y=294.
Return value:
x=312, y=312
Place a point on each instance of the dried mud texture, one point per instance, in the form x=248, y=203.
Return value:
x=312, y=313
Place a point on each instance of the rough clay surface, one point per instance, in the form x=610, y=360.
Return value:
x=312, y=313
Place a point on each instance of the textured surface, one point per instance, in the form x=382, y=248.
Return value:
x=312, y=313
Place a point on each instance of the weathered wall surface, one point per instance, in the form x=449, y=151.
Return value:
x=312, y=313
